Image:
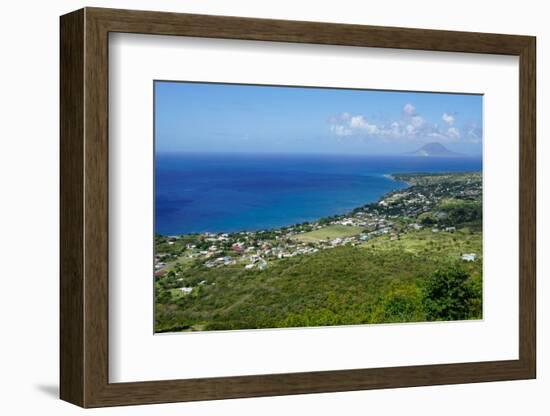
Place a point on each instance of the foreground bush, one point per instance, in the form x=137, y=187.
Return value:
x=450, y=295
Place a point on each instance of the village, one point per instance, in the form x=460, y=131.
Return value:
x=438, y=202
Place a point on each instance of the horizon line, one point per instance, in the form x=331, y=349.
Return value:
x=231, y=152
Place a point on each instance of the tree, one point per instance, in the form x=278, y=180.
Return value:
x=449, y=296
x=400, y=304
x=427, y=220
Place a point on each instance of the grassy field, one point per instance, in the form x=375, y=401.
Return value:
x=329, y=233
x=428, y=244
x=379, y=281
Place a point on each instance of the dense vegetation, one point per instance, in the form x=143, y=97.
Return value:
x=449, y=294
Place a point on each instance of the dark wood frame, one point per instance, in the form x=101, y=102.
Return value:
x=84, y=207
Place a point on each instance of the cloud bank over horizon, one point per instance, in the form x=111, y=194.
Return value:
x=409, y=125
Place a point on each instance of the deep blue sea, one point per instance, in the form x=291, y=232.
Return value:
x=227, y=192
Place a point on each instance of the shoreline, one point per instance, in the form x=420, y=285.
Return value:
x=390, y=176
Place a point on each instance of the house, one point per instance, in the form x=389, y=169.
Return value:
x=160, y=273
x=450, y=229
x=262, y=264
x=469, y=256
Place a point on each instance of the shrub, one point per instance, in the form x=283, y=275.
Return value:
x=400, y=304
x=459, y=211
x=449, y=296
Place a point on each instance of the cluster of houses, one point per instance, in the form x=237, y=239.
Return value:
x=253, y=253
x=220, y=261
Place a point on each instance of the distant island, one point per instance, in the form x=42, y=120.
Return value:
x=434, y=150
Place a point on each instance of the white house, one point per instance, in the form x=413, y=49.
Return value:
x=469, y=256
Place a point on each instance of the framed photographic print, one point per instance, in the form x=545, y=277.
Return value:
x=255, y=207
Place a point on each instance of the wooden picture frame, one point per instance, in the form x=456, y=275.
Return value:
x=84, y=207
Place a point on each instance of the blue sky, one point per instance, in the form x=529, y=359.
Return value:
x=202, y=117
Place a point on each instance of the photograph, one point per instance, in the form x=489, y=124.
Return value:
x=289, y=206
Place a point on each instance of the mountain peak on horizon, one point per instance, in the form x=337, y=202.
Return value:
x=434, y=149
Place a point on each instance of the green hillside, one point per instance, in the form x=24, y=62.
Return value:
x=373, y=283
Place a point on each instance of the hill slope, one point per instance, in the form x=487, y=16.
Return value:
x=377, y=282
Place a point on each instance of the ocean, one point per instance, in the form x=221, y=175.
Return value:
x=197, y=193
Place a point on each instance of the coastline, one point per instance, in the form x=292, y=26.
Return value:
x=391, y=176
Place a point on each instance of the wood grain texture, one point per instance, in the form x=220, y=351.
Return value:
x=84, y=207
x=96, y=208
x=162, y=23
x=71, y=184
x=527, y=207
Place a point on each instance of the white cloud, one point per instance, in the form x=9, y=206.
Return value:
x=408, y=126
x=436, y=135
x=448, y=118
x=453, y=133
x=372, y=129
x=409, y=109
x=417, y=121
x=473, y=133
x=341, y=130
x=394, y=130
x=358, y=122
